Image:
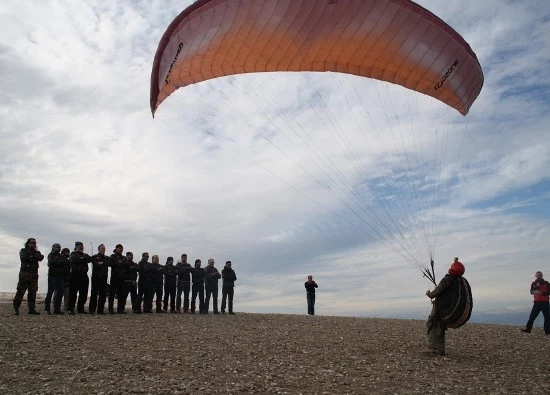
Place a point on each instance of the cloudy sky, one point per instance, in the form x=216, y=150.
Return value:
x=285, y=175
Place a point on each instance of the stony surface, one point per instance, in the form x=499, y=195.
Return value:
x=261, y=353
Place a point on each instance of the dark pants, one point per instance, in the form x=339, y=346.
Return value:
x=157, y=287
x=185, y=287
x=198, y=289
x=170, y=293
x=538, y=307
x=133, y=291
x=99, y=294
x=311, y=304
x=227, y=293
x=27, y=281
x=436, y=332
x=113, y=292
x=211, y=290
x=55, y=284
x=79, y=285
x=145, y=295
x=122, y=295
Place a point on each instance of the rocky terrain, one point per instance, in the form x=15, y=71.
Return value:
x=261, y=353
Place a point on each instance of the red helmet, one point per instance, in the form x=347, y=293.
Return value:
x=457, y=269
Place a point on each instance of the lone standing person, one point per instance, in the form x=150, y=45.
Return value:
x=28, y=276
x=540, y=289
x=310, y=292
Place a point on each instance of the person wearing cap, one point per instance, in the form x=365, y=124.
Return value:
x=540, y=289
x=100, y=274
x=30, y=258
x=145, y=284
x=211, y=286
x=132, y=282
x=170, y=279
x=58, y=269
x=158, y=282
x=79, y=278
x=436, y=328
x=198, y=275
x=229, y=277
x=183, y=269
x=117, y=284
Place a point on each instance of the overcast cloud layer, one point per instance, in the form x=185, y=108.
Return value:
x=236, y=168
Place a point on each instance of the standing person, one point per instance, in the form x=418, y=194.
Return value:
x=28, y=276
x=229, y=277
x=58, y=268
x=442, y=292
x=100, y=273
x=211, y=285
x=132, y=282
x=158, y=277
x=67, y=284
x=118, y=263
x=198, y=287
x=170, y=279
x=184, y=270
x=145, y=284
x=310, y=294
x=79, y=278
x=540, y=289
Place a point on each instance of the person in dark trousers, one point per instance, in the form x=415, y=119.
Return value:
x=67, y=284
x=145, y=284
x=123, y=273
x=198, y=287
x=170, y=279
x=229, y=277
x=79, y=278
x=100, y=274
x=58, y=269
x=540, y=289
x=132, y=282
x=158, y=282
x=183, y=270
x=28, y=276
x=436, y=328
x=310, y=294
x=118, y=263
x=211, y=286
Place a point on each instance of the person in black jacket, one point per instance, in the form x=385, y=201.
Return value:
x=229, y=277
x=79, y=278
x=28, y=276
x=100, y=273
x=67, y=284
x=170, y=278
x=184, y=270
x=117, y=285
x=211, y=285
x=158, y=282
x=145, y=284
x=198, y=287
x=132, y=282
x=58, y=269
x=310, y=286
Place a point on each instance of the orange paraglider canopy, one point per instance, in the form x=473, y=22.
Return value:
x=396, y=41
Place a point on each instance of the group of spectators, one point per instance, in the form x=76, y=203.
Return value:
x=143, y=281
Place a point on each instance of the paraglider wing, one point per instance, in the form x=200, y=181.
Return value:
x=396, y=41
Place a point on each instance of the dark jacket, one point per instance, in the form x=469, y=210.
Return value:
x=229, y=277
x=540, y=289
x=310, y=288
x=444, y=291
x=79, y=262
x=100, y=266
x=184, y=272
x=132, y=271
x=58, y=264
x=158, y=273
x=198, y=276
x=212, y=276
x=170, y=273
x=30, y=260
x=119, y=266
x=145, y=270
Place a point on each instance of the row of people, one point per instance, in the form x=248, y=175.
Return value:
x=68, y=278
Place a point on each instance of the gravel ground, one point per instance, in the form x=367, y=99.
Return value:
x=261, y=353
